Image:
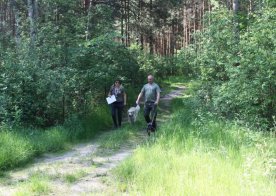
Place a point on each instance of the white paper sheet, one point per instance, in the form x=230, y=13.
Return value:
x=111, y=99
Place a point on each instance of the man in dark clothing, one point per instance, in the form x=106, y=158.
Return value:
x=151, y=92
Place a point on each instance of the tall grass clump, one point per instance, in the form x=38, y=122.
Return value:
x=86, y=127
x=19, y=146
x=127, y=135
x=37, y=184
x=14, y=149
x=195, y=153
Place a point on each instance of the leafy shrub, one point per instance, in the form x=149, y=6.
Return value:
x=238, y=79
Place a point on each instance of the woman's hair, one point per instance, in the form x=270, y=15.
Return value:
x=118, y=80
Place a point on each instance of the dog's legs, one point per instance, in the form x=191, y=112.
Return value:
x=132, y=119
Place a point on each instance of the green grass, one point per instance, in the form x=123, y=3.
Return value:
x=195, y=153
x=73, y=177
x=128, y=134
x=20, y=146
x=37, y=184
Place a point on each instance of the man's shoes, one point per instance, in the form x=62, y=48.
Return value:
x=148, y=131
x=150, y=128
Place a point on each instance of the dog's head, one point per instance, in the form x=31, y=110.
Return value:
x=131, y=110
x=130, y=114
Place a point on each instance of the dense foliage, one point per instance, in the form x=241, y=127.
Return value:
x=238, y=79
x=60, y=61
x=67, y=63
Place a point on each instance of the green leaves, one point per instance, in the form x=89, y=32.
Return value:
x=240, y=79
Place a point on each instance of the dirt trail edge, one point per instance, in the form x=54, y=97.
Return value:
x=80, y=171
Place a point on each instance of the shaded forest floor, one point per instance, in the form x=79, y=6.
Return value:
x=85, y=169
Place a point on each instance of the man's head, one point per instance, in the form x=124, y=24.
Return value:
x=150, y=79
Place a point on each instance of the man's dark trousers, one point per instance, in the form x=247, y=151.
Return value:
x=150, y=108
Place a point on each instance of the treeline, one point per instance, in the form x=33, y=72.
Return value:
x=234, y=58
x=59, y=57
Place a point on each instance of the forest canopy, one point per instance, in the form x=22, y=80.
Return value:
x=59, y=57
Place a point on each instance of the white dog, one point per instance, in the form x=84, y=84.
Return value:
x=133, y=113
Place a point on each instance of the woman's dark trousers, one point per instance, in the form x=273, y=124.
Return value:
x=117, y=111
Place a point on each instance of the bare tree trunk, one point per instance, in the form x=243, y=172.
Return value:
x=31, y=16
x=122, y=22
x=86, y=4
x=236, y=30
x=16, y=24
x=173, y=40
x=128, y=22
x=140, y=22
x=126, y=14
x=142, y=41
x=89, y=9
x=209, y=10
x=203, y=11
x=236, y=6
x=151, y=31
x=195, y=16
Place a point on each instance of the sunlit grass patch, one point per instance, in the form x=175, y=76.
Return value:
x=126, y=135
x=73, y=177
x=19, y=146
x=115, y=140
x=196, y=167
x=37, y=184
x=195, y=153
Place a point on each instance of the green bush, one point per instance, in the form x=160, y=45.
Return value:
x=237, y=76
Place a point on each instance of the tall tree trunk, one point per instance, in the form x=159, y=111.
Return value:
x=128, y=22
x=209, y=10
x=31, y=16
x=122, y=22
x=88, y=26
x=16, y=23
x=184, y=27
x=203, y=11
x=142, y=41
x=236, y=6
x=151, y=31
x=173, y=39
x=86, y=4
x=236, y=32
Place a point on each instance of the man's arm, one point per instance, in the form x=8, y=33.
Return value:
x=158, y=90
x=138, y=98
x=157, y=99
x=140, y=95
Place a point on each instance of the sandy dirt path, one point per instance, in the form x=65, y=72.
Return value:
x=83, y=170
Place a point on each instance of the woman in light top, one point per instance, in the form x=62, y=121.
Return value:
x=117, y=107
